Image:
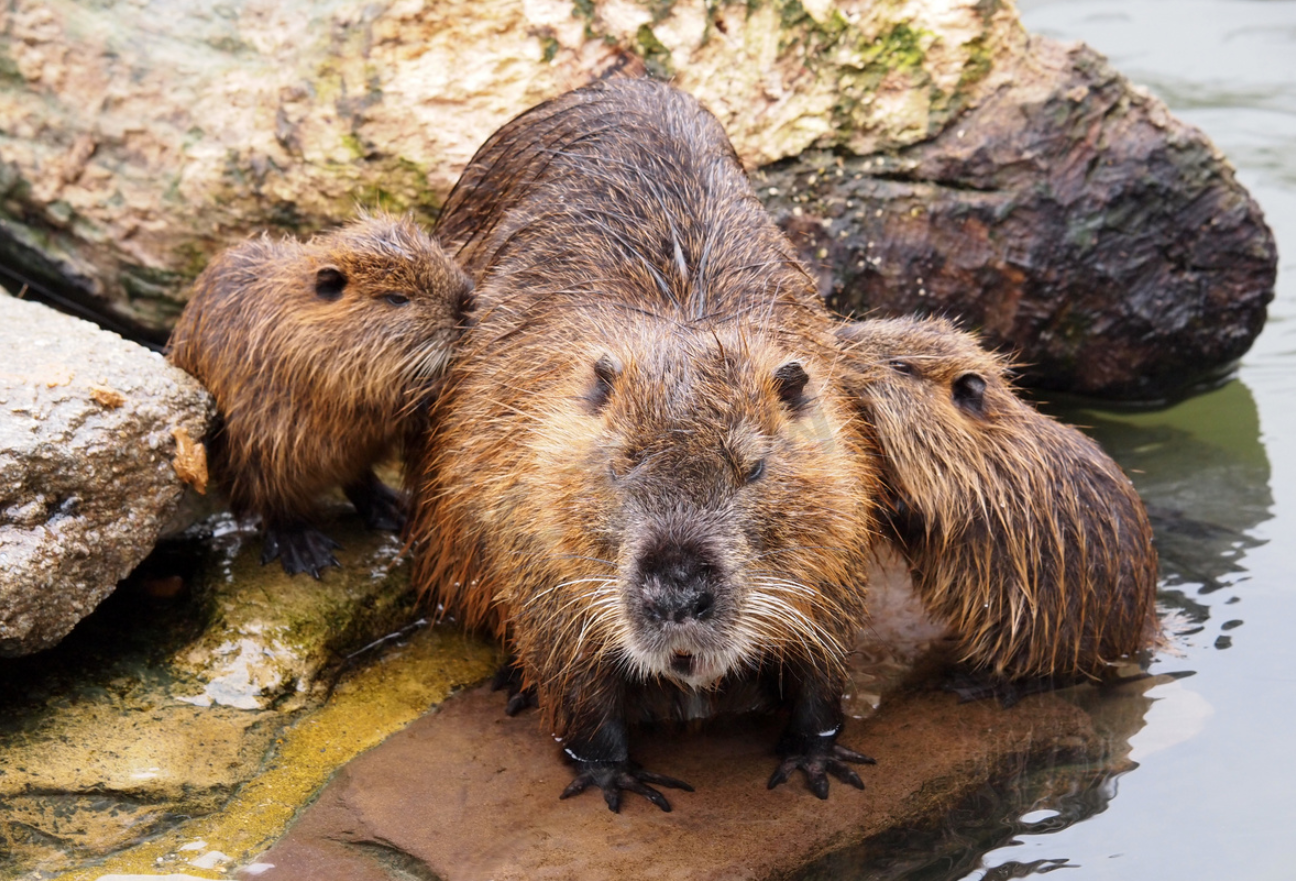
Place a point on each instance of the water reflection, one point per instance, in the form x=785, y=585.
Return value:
x=1203, y=472
x=1034, y=798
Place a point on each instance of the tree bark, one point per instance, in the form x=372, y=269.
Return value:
x=1021, y=185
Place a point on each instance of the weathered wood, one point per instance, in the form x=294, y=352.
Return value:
x=1027, y=186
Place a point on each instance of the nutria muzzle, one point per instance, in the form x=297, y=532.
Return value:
x=679, y=601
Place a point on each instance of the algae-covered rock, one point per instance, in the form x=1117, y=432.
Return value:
x=1065, y=214
x=141, y=741
x=94, y=434
x=271, y=633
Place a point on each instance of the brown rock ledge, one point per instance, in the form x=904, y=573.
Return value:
x=468, y=793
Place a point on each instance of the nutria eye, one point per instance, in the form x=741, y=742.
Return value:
x=969, y=393
x=396, y=299
x=329, y=283
x=754, y=473
x=903, y=367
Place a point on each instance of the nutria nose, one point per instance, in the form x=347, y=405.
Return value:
x=679, y=606
x=676, y=582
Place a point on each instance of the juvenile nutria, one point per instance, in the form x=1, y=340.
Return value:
x=1023, y=535
x=318, y=354
x=642, y=471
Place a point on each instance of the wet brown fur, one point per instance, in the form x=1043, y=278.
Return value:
x=313, y=391
x=1024, y=536
x=615, y=223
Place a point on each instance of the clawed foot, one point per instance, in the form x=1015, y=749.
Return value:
x=617, y=777
x=509, y=678
x=379, y=506
x=818, y=761
x=299, y=549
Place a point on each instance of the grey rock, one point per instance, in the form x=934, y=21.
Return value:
x=87, y=473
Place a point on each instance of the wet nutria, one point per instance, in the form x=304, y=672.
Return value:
x=642, y=471
x=317, y=354
x=1024, y=536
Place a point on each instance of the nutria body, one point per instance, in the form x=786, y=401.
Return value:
x=642, y=473
x=317, y=354
x=1024, y=536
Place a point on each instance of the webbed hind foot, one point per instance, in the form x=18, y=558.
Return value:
x=299, y=549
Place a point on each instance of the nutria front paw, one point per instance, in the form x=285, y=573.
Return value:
x=615, y=777
x=819, y=759
x=299, y=549
x=509, y=678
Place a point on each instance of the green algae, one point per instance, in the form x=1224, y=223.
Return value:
x=364, y=709
x=656, y=57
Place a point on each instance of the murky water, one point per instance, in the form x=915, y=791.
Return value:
x=1206, y=788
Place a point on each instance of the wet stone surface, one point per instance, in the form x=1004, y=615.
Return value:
x=92, y=429
x=206, y=701
x=470, y=793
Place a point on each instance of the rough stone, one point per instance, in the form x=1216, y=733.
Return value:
x=270, y=635
x=138, y=742
x=1020, y=183
x=470, y=793
x=87, y=479
x=1065, y=214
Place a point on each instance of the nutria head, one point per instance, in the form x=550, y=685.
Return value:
x=1025, y=537
x=674, y=503
x=360, y=315
x=316, y=352
x=709, y=475
x=377, y=305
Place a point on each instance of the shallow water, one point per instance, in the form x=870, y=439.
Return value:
x=1206, y=789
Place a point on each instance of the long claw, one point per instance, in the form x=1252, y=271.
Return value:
x=613, y=778
x=817, y=763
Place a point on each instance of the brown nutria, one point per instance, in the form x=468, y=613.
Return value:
x=642, y=471
x=1024, y=536
x=317, y=354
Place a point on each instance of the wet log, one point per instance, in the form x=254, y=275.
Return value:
x=928, y=155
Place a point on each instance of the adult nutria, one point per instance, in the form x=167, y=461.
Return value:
x=317, y=354
x=641, y=471
x=1024, y=537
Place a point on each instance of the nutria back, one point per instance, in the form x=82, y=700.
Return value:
x=1025, y=537
x=642, y=470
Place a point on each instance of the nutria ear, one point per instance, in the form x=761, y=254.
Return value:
x=606, y=369
x=329, y=283
x=466, y=300
x=790, y=380
x=969, y=393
